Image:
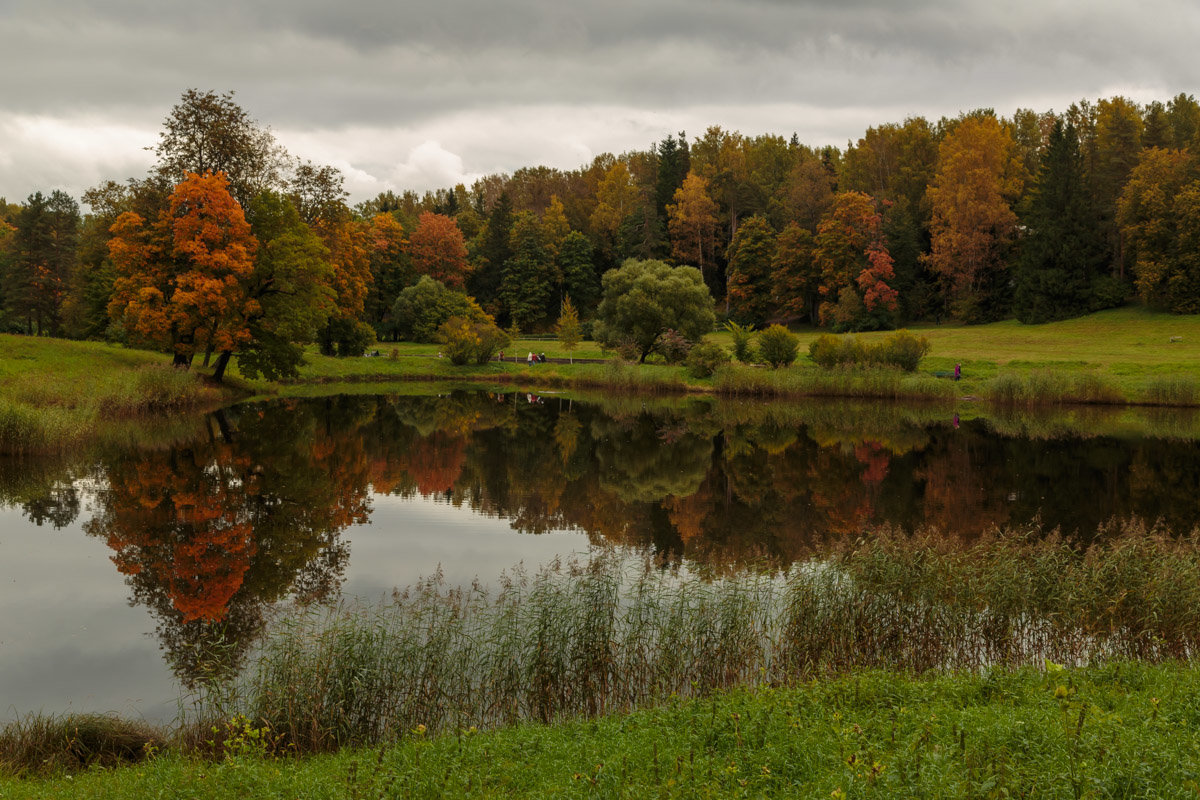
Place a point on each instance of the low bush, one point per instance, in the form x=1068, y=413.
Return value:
x=673, y=347
x=778, y=346
x=705, y=358
x=471, y=341
x=901, y=349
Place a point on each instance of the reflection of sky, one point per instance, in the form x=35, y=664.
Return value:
x=408, y=539
x=70, y=641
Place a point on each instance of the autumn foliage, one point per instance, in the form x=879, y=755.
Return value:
x=182, y=277
x=438, y=250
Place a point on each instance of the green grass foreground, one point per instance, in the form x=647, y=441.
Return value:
x=1122, y=730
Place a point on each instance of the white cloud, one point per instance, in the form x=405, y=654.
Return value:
x=42, y=153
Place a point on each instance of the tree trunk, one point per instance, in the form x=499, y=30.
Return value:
x=222, y=362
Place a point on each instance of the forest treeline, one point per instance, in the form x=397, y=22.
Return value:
x=231, y=245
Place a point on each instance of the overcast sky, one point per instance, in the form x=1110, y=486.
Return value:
x=420, y=95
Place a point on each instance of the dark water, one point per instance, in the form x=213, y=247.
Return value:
x=129, y=571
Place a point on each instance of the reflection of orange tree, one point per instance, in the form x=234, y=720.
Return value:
x=211, y=533
x=434, y=462
x=189, y=536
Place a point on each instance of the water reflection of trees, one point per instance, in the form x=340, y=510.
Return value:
x=211, y=532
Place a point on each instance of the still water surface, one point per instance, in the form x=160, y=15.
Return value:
x=130, y=572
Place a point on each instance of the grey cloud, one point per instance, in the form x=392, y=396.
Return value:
x=308, y=65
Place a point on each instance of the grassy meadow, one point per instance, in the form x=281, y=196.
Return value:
x=1115, y=731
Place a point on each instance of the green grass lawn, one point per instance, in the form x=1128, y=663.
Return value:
x=1123, y=730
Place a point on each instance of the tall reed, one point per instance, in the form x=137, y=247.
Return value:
x=613, y=633
x=1041, y=387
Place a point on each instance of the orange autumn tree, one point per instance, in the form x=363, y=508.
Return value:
x=692, y=222
x=350, y=247
x=437, y=249
x=979, y=179
x=850, y=253
x=182, y=278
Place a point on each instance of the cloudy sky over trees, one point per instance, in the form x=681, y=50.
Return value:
x=421, y=95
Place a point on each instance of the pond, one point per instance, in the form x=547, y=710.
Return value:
x=128, y=574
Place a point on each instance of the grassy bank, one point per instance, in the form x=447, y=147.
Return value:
x=56, y=395
x=1124, y=356
x=1122, y=730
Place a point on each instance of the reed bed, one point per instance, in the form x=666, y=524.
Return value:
x=1051, y=387
x=1172, y=390
x=47, y=744
x=613, y=634
x=892, y=384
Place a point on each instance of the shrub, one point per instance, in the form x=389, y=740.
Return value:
x=705, y=358
x=673, y=347
x=743, y=341
x=826, y=350
x=467, y=340
x=778, y=346
x=900, y=349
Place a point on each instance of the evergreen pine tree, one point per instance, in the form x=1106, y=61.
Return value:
x=484, y=281
x=1062, y=250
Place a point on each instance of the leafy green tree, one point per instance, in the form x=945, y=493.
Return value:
x=642, y=300
x=570, y=332
x=422, y=308
x=795, y=276
x=290, y=287
x=1061, y=252
x=209, y=132
x=750, y=293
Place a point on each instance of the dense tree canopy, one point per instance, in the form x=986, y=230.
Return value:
x=1042, y=215
x=645, y=299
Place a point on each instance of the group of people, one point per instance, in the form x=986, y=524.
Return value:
x=531, y=359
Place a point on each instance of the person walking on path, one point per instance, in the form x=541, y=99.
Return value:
x=957, y=371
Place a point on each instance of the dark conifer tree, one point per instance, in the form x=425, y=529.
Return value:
x=484, y=282
x=1063, y=250
x=43, y=255
x=674, y=161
